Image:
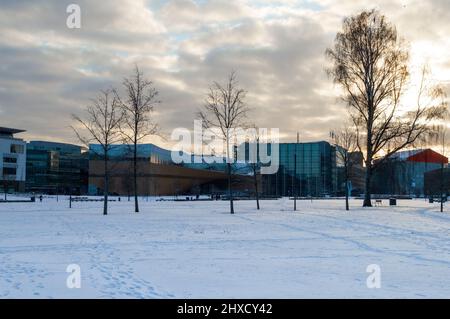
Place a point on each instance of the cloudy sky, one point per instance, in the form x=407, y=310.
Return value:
x=49, y=71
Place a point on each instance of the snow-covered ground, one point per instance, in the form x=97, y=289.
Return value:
x=198, y=250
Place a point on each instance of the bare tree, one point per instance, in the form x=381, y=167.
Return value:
x=439, y=137
x=225, y=110
x=138, y=124
x=442, y=182
x=254, y=161
x=370, y=64
x=345, y=142
x=102, y=125
x=444, y=135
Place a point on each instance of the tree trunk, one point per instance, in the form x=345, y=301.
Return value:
x=347, y=206
x=442, y=187
x=230, y=192
x=136, y=203
x=256, y=189
x=367, y=194
x=105, y=188
x=367, y=188
x=294, y=193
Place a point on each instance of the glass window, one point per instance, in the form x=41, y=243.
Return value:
x=9, y=171
x=17, y=149
x=10, y=160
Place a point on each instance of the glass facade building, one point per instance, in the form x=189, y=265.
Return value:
x=12, y=160
x=121, y=161
x=305, y=169
x=403, y=173
x=158, y=174
x=145, y=152
x=56, y=168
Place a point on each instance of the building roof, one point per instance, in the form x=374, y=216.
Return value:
x=125, y=150
x=428, y=156
x=53, y=146
x=10, y=131
x=404, y=155
x=420, y=155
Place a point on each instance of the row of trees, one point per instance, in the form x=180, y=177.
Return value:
x=369, y=62
x=112, y=118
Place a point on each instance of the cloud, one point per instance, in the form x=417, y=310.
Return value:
x=189, y=15
x=277, y=48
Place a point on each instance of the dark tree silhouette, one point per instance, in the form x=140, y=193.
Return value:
x=138, y=106
x=254, y=160
x=225, y=110
x=345, y=143
x=439, y=137
x=370, y=63
x=102, y=125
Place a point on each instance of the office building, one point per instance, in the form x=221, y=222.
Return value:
x=356, y=173
x=56, y=168
x=403, y=173
x=437, y=181
x=12, y=160
x=318, y=171
x=158, y=175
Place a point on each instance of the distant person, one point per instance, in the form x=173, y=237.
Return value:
x=40, y=198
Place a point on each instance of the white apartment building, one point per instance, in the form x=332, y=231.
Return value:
x=12, y=159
